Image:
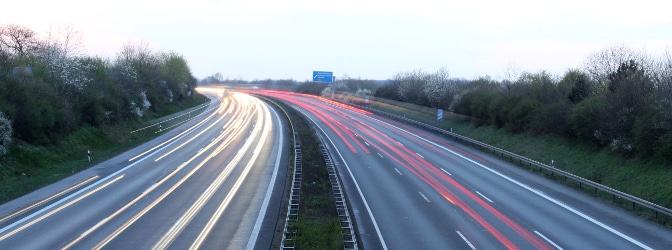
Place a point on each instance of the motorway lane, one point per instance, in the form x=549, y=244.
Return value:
x=421, y=191
x=209, y=187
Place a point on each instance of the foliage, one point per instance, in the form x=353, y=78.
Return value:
x=313, y=88
x=621, y=100
x=5, y=134
x=49, y=88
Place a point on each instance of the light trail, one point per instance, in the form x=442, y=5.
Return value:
x=38, y=219
x=193, y=210
x=48, y=199
x=119, y=230
x=424, y=170
x=225, y=203
x=178, y=136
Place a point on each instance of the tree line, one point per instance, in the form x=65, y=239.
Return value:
x=49, y=87
x=621, y=98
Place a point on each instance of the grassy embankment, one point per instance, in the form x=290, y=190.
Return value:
x=29, y=167
x=649, y=180
x=317, y=226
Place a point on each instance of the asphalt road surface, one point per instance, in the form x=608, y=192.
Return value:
x=410, y=189
x=213, y=183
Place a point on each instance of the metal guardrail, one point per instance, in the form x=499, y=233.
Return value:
x=288, y=233
x=347, y=227
x=582, y=181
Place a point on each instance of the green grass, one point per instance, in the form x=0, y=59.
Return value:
x=29, y=167
x=643, y=178
x=318, y=226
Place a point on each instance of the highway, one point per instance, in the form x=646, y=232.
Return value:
x=215, y=182
x=410, y=189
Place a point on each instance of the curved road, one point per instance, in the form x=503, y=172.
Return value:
x=215, y=182
x=409, y=189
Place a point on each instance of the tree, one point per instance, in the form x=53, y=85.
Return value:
x=436, y=87
x=18, y=38
x=410, y=86
x=5, y=134
x=584, y=118
x=61, y=53
x=580, y=86
x=628, y=96
x=601, y=64
x=387, y=91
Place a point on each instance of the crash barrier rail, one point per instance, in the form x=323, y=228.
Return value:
x=497, y=151
x=347, y=227
x=289, y=233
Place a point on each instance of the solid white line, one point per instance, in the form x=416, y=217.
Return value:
x=580, y=214
x=269, y=190
x=445, y=171
x=484, y=197
x=465, y=240
x=399, y=172
x=549, y=241
x=359, y=190
x=420, y=156
x=24, y=219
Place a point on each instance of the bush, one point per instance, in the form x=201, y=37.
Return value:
x=519, y=118
x=551, y=118
x=5, y=134
x=584, y=119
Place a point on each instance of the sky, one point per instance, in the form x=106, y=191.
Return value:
x=369, y=39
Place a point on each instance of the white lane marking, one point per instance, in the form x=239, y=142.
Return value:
x=201, y=149
x=423, y=196
x=579, y=213
x=465, y=240
x=50, y=213
x=400, y=144
x=213, y=138
x=113, y=175
x=399, y=172
x=367, y=144
x=448, y=173
x=420, y=156
x=381, y=156
x=549, y=241
x=359, y=190
x=484, y=197
x=269, y=190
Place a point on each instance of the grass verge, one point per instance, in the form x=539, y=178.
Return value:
x=317, y=226
x=29, y=167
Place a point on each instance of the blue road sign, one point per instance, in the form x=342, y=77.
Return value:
x=439, y=114
x=323, y=76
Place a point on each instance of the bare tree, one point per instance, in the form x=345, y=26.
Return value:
x=599, y=65
x=18, y=38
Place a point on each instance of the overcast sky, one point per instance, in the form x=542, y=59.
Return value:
x=361, y=38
